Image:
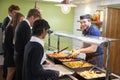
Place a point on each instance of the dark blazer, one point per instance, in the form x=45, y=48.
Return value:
x=32, y=69
x=22, y=36
x=3, y=26
x=9, y=46
x=8, y=41
x=5, y=23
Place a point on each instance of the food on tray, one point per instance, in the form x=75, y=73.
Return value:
x=77, y=64
x=91, y=74
x=58, y=54
x=66, y=59
x=86, y=65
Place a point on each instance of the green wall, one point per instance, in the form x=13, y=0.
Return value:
x=57, y=20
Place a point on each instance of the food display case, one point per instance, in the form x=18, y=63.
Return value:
x=93, y=40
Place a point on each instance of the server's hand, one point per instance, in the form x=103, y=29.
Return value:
x=75, y=53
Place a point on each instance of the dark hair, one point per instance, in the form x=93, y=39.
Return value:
x=13, y=7
x=38, y=27
x=34, y=12
x=87, y=16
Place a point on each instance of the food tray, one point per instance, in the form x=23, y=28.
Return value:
x=65, y=59
x=90, y=74
x=53, y=56
x=77, y=65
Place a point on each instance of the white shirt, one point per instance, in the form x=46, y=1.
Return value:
x=28, y=23
x=10, y=17
x=36, y=39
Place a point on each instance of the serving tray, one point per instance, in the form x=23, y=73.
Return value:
x=90, y=73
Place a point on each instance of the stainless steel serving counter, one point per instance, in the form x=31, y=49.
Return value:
x=60, y=68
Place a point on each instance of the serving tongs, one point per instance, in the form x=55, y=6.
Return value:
x=96, y=71
x=61, y=50
x=91, y=68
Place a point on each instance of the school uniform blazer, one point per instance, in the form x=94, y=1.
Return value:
x=22, y=36
x=8, y=41
x=5, y=23
x=32, y=69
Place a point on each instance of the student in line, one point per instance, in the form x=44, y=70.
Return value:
x=33, y=55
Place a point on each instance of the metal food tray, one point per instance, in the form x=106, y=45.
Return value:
x=78, y=68
x=54, y=59
x=50, y=58
x=78, y=76
x=58, y=61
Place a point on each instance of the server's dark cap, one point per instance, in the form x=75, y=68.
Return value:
x=87, y=16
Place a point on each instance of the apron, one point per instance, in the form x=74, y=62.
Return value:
x=96, y=58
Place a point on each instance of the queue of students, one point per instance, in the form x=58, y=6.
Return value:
x=23, y=46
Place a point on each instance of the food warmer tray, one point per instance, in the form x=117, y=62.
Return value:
x=54, y=58
x=65, y=59
x=97, y=71
x=77, y=65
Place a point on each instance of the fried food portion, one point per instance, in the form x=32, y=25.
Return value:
x=66, y=59
x=58, y=54
x=91, y=74
x=77, y=64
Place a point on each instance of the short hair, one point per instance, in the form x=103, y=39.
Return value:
x=38, y=27
x=87, y=16
x=34, y=12
x=13, y=7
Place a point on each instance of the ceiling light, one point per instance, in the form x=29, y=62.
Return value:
x=66, y=6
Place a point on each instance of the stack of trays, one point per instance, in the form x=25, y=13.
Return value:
x=88, y=74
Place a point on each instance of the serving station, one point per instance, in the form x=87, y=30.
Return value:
x=81, y=69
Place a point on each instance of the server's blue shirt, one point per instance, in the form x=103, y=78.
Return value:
x=94, y=32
